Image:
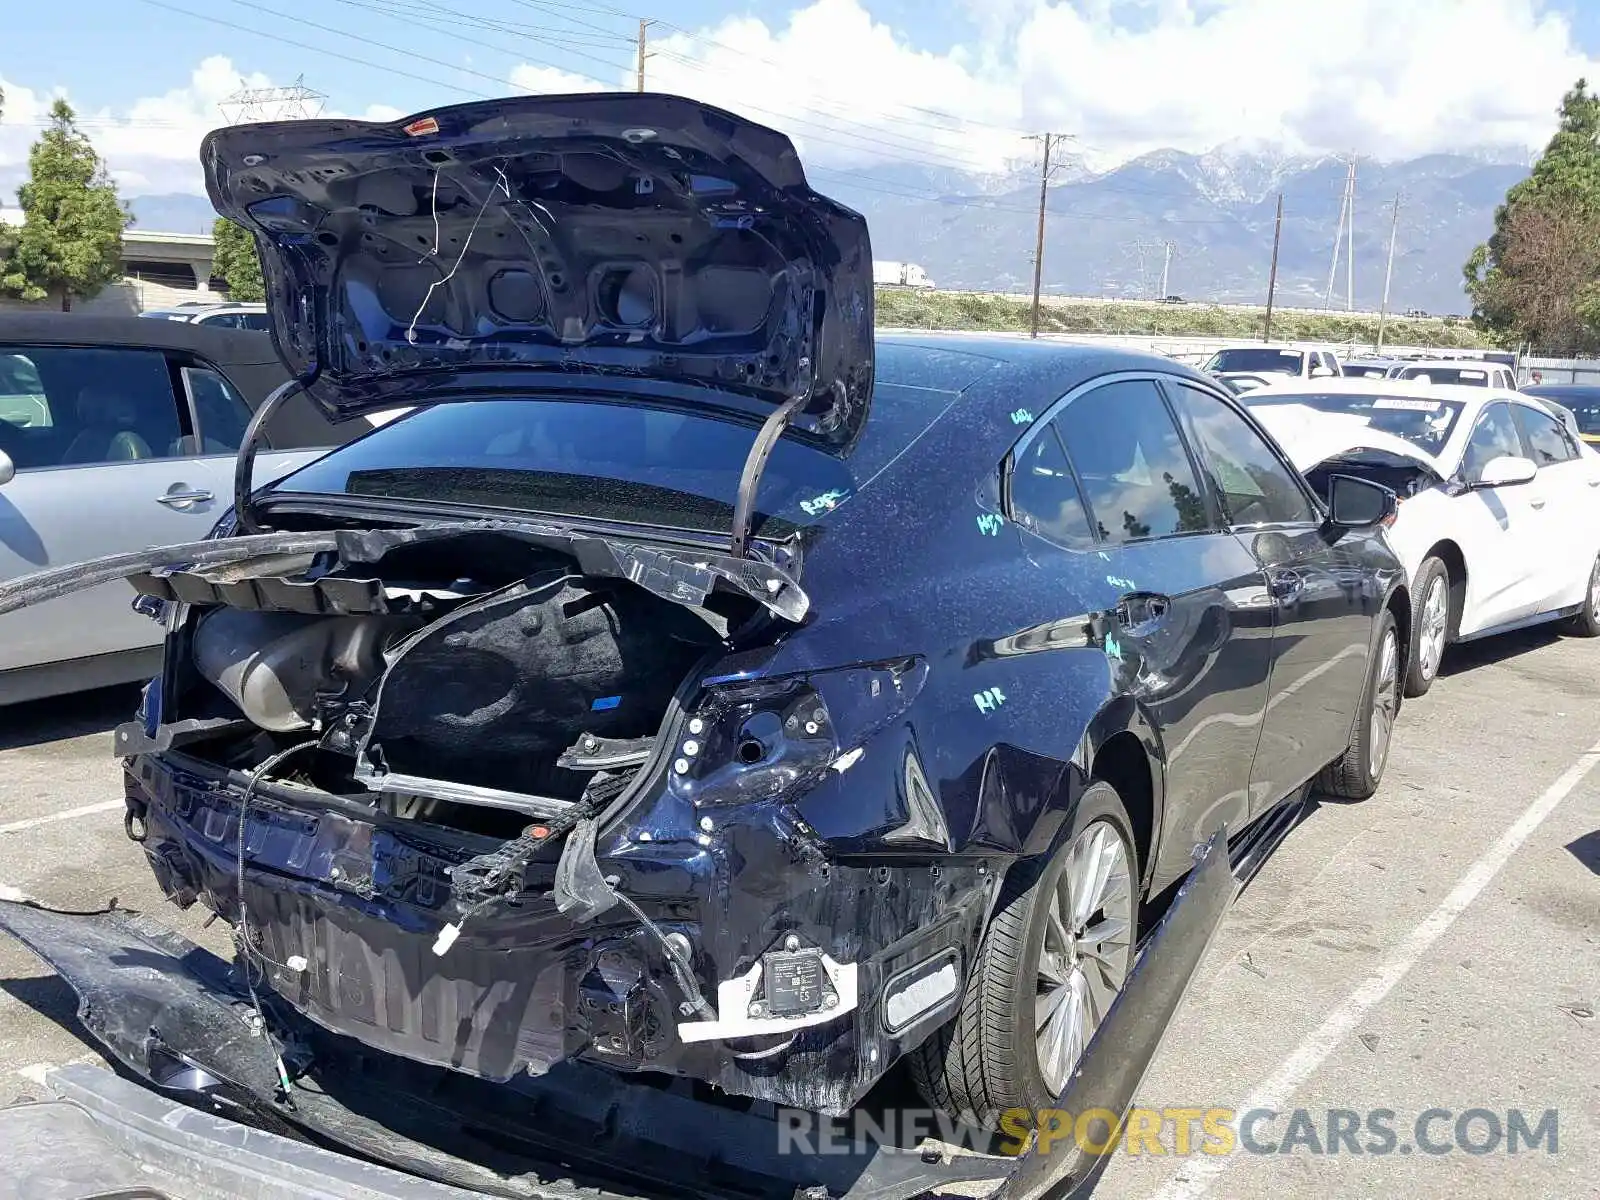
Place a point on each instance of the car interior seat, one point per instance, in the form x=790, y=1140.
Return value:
x=108, y=432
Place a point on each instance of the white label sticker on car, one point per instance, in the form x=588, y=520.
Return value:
x=1426, y=406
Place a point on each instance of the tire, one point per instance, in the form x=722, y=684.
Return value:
x=1359, y=770
x=1430, y=627
x=1587, y=622
x=990, y=1056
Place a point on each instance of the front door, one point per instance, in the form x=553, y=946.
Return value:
x=1317, y=590
x=108, y=459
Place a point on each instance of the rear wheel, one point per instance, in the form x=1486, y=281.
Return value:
x=1587, y=622
x=1430, y=623
x=1359, y=770
x=1054, y=957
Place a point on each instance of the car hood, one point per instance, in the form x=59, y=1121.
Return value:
x=1309, y=436
x=609, y=238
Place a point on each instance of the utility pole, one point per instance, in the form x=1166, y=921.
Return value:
x=643, y=25
x=1038, y=247
x=1388, y=273
x=1346, y=211
x=1350, y=244
x=1166, y=267
x=1272, y=276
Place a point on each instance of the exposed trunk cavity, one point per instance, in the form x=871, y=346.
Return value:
x=459, y=681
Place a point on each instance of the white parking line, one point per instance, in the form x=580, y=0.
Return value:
x=1274, y=1092
x=66, y=814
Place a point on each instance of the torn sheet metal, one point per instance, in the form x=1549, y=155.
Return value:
x=213, y=571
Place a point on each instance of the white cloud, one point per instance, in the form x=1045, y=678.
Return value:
x=151, y=147
x=1383, y=78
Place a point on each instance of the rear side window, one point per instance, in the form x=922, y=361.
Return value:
x=220, y=414
x=1044, y=496
x=1135, y=471
x=1547, y=440
x=72, y=406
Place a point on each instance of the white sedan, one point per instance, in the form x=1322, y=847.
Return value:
x=1499, y=520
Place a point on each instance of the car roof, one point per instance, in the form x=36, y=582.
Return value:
x=225, y=347
x=1564, y=391
x=1055, y=364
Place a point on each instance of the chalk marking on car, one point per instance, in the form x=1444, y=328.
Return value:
x=1275, y=1091
x=989, y=524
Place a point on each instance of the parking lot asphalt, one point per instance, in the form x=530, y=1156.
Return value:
x=1434, y=950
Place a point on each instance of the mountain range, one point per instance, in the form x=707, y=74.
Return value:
x=1106, y=230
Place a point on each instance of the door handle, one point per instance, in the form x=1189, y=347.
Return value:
x=179, y=497
x=1594, y=483
x=1537, y=502
x=1285, y=585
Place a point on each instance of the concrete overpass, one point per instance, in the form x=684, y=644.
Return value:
x=159, y=270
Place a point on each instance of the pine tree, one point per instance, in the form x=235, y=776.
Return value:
x=70, y=243
x=1537, y=278
x=236, y=262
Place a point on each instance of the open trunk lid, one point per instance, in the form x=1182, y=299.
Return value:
x=616, y=236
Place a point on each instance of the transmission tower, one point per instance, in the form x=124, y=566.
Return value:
x=249, y=105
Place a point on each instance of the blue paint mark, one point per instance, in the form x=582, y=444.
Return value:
x=989, y=524
x=604, y=703
x=1022, y=417
x=1113, y=649
x=989, y=699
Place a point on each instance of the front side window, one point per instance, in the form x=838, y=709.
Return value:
x=75, y=406
x=1255, y=486
x=1044, y=496
x=1547, y=440
x=1495, y=436
x=1135, y=471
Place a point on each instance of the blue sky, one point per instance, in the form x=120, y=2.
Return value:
x=944, y=83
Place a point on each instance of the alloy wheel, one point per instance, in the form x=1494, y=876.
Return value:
x=1594, y=588
x=1435, y=622
x=1087, y=949
x=1385, y=702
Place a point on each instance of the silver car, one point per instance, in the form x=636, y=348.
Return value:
x=117, y=434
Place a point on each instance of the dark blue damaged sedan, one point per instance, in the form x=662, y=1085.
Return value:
x=691, y=684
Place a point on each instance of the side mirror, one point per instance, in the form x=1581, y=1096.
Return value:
x=8, y=469
x=1359, y=503
x=1505, y=471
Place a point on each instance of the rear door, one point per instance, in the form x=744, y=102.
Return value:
x=1321, y=610
x=1182, y=602
x=1569, y=485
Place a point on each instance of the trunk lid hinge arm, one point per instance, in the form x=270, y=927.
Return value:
x=744, y=509
x=244, y=463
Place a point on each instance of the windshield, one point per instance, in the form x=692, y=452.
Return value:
x=1425, y=423
x=1276, y=362
x=1466, y=376
x=613, y=461
x=1366, y=370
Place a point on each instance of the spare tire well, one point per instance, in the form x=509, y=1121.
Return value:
x=1123, y=763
